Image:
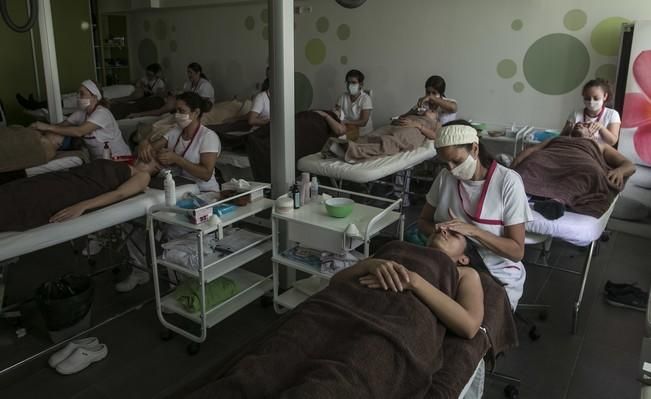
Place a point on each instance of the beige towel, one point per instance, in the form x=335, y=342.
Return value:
x=21, y=148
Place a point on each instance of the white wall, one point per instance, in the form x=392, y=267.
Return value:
x=397, y=44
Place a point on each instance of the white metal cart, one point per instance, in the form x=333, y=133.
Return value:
x=310, y=226
x=251, y=286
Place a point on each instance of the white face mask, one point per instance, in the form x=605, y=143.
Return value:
x=353, y=88
x=182, y=120
x=594, y=105
x=83, y=103
x=466, y=170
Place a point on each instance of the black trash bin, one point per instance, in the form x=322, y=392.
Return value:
x=65, y=304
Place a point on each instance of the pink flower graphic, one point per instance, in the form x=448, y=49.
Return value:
x=637, y=107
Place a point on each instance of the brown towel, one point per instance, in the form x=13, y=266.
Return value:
x=572, y=171
x=352, y=342
x=21, y=148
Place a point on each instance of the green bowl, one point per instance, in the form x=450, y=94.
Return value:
x=339, y=207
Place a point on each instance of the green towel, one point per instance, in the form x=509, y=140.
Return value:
x=188, y=293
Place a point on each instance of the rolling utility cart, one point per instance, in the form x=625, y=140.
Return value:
x=311, y=227
x=250, y=286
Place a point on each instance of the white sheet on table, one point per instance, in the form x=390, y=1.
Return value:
x=19, y=243
x=367, y=171
x=236, y=159
x=54, y=165
x=572, y=227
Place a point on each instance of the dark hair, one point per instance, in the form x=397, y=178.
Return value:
x=265, y=85
x=354, y=73
x=197, y=69
x=603, y=84
x=195, y=101
x=154, y=68
x=485, y=157
x=437, y=82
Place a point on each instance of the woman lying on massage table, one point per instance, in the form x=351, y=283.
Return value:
x=376, y=331
x=574, y=172
x=404, y=134
x=59, y=196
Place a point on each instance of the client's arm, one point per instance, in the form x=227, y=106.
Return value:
x=255, y=119
x=524, y=154
x=339, y=129
x=364, y=116
x=65, y=128
x=425, y=130
x=463, y=316
x=622, y=166
x=137, y=183
x=426, y=223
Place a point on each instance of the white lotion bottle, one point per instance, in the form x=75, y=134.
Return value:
x=170, y=189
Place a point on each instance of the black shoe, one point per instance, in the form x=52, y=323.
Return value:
x=617, y=288
x=628, y=300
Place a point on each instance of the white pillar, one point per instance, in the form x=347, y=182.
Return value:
x=50, y=68
x=281, y=60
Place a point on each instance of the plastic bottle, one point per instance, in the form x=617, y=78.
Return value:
x=305, y=188
x=314, y=189
x=170, y=189
x=107, y=154
x=296, y=196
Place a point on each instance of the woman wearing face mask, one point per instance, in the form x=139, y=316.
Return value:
x=93, y=122
x=435, y=100
x=198, y=83
x=602, y=122
x=482, y=200
x=190, y=148
x=355, y=106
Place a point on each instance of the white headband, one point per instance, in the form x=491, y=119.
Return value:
x=92, y=88
x=456, y=135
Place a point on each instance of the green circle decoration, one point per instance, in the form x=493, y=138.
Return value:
x=249, y=23
x=264, y=15
x=303, y=92
x=575, y=19
x=173, y=46
x=607, y=71
x=322, y=24
x=160, y=30
x=506, y=68
x=517, y=24
x=343, y=60
x=146, y=25
x=147, y=52
x=518, y=87
x=315, y=51
x=343, y=32
x=605, y=36
x=265, y=32
x=556, y=63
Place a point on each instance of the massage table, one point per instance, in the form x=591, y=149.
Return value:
x=372, y=170
x=575, y=229
x=234, y=164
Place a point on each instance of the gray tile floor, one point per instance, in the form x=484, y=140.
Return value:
x=601, y=361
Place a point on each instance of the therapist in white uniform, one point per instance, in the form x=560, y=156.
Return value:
x=482, y=200
x=355, y=106
x=260, y=113
x=198, y=83
x=191, y=150
x=93, y=122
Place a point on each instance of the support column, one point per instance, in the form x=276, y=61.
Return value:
x=50, y=67
x=281, y=60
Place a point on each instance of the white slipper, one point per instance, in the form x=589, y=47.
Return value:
x=136, y=278
x=61, y=355
x=81, y=358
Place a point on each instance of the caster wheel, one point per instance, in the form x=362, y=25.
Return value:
x=511, y=392
x=534, y=335
x=543, y=315
x=193, y=348
x=166, y=335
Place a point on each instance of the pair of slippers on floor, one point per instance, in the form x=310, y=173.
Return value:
x=77, y=355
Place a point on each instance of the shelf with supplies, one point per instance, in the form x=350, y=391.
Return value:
x=213, y=249
x=311, y=228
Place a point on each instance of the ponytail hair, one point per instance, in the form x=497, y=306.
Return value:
x=197, y=69
x=604, y=85
x=195, y=101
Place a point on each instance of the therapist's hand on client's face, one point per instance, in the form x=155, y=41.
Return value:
x=167, y=157
x=458, y=226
